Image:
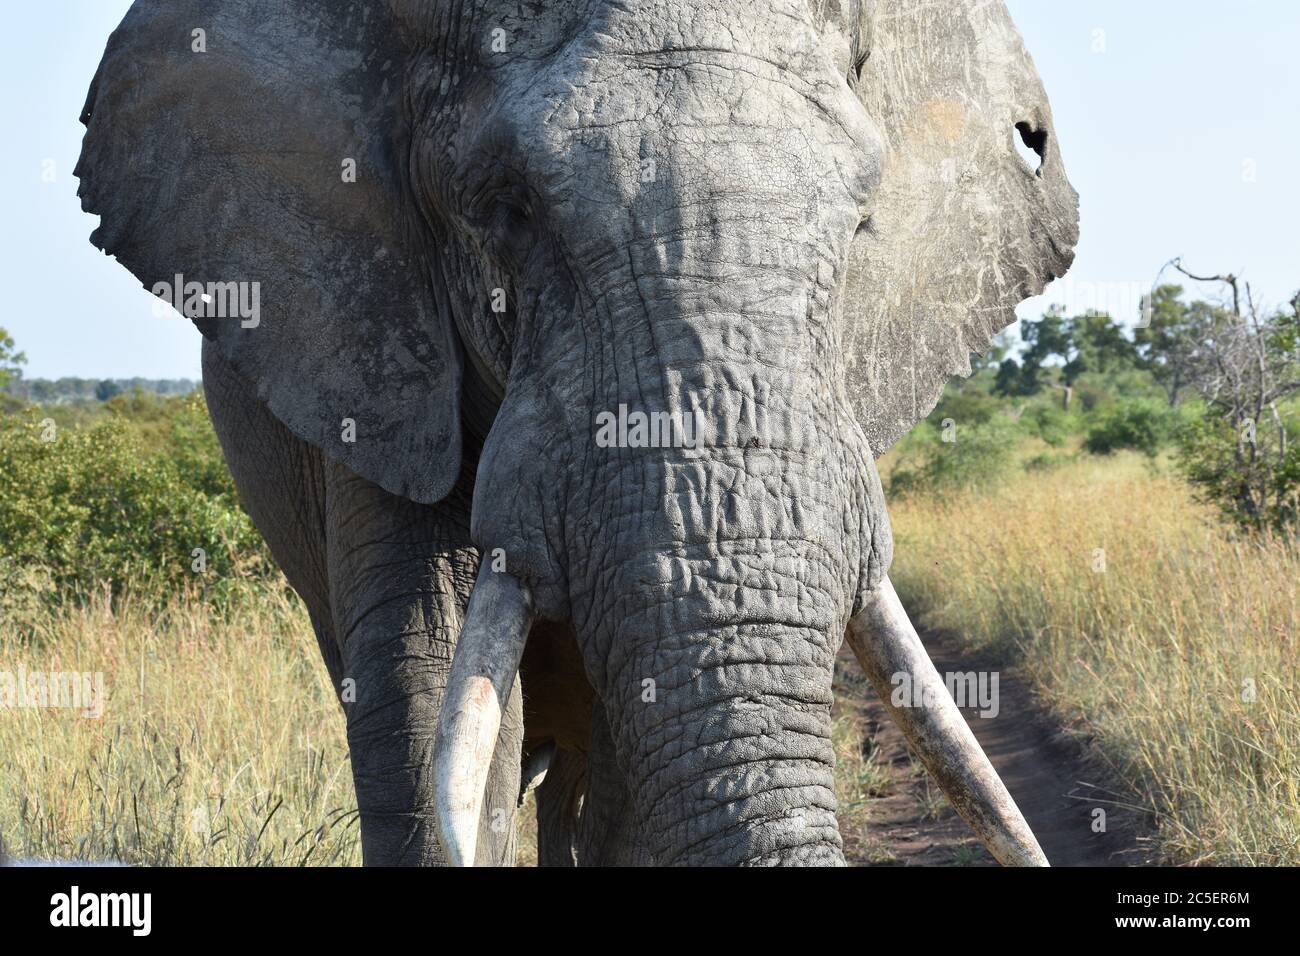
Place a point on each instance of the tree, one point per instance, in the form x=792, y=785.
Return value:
x=1099, y=345
x=1091, y=342
x=1172, y=346
x=9, y=360
x=107, y=389
x=1243, y=454
x=1048, y=337
x=1010, y=379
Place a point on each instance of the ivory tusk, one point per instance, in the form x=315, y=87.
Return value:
x=482, y=674
x=886, y=644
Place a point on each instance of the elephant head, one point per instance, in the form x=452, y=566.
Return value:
x=669, y=275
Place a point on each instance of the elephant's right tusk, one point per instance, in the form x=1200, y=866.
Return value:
x=885, y=643
x=482, y=675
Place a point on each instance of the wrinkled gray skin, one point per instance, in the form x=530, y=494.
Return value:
x=797, y=217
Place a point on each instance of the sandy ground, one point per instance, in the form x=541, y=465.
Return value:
x=1050, y=772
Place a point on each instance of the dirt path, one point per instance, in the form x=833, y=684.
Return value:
x=1049, y=772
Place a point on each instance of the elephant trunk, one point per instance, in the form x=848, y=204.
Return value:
x=710, y=621
x=725, y=731
x=704, y=518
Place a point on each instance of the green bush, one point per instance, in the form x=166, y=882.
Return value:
x=1091, y=397
x=1049, y=423
x=1141, y=424
x=1254, y=485
x=965, y=407
x=117, y=500
x=977, y=457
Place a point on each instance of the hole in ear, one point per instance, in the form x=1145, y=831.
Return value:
x=1031, y=144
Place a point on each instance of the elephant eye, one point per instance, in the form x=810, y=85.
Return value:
x=516, y=216
x=859, y=64
x=514, y=230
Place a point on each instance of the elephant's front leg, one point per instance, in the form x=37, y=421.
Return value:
x=400, y=576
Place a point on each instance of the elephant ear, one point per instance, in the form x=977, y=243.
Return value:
x=219, y=142
x=962, y=229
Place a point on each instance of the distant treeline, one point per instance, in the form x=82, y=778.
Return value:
x=45, y=391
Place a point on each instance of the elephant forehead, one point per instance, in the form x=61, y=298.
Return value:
x=525, y=29
x=663, y=127
x=781, y=31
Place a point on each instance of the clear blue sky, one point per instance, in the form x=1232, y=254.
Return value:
x=1160, y=117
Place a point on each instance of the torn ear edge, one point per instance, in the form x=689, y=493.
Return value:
x=963, y=228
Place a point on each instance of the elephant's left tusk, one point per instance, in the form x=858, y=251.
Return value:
x=536, y=765
x=885, y=643
x=482, y=675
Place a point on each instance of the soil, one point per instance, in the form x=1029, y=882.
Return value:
x=1051, y=770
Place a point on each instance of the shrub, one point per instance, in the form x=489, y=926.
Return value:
x=965, y=407
x=1091, y=396
x=978, y=458
x=1255, y=485
x=100, y=504
x=1140, y=424
x=1049, y=423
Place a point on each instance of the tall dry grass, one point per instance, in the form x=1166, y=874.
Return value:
x=220, y=741
x=1144, y=621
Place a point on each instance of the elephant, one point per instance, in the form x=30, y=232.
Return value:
x=575, y=332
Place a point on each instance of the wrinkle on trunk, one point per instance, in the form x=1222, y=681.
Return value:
x=710, y=625
x=730, y=757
